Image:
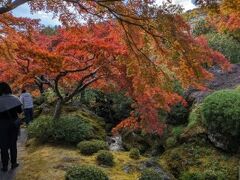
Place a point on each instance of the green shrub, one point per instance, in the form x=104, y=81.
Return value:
x=105, y=157
x=134, y=153
x=85, y=173
x=67, y=129
x=221, y=111
x=177, y=131
x=225, y=44
x=150, y=174
x=49, y=96
x=206, y=175
x=72, y=129
x=195, y=116
x=91, y=147
x=113, y=107
x=41, y=129
x=38, y=100
x=171, y=142
x=177, y=115
x=202, y=27
x=191, y=176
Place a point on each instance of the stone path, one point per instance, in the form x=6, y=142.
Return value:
x=10, y=175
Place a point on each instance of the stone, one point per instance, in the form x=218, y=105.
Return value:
x=152, y=163
x=115, y=143
x=228, y=144
x=129, y=168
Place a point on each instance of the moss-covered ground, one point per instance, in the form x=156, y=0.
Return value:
x=43, y=162
x=199, y=157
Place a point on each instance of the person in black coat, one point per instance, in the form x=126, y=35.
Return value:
x=10, y=107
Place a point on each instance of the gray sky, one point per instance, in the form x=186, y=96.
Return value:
x=47, y=18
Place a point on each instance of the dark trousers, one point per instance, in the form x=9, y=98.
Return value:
x=5, y=155
x=9, y=143
x=28, y=115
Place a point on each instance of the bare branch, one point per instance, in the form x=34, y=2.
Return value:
x=12, y=5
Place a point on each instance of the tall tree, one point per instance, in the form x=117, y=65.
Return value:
x=151, y=45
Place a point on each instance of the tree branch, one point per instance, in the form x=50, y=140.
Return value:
x=12, y=5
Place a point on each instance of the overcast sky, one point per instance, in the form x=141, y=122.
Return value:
x=47, y=18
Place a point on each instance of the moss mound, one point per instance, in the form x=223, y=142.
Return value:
x=105, y=158
x=91, y=147
x=199, y=159
x=85, y=173
x=150, y=174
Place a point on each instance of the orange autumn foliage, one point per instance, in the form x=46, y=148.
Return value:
x=224, y=14
x=132, y=46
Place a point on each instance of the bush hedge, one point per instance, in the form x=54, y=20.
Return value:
x=42, y=129
x=85, y=172
x=69, y=129
x=221, y=111
x=72, y=129
x=105, y=157
x=91, y=147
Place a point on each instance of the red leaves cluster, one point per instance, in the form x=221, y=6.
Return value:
x=144, y=60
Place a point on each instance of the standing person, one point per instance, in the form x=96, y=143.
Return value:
x=27, y=101
x=10, y=106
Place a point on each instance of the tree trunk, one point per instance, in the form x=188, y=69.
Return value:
x=40, y=88
x=58, y=109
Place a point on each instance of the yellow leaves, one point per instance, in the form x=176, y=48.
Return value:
x=230, y=6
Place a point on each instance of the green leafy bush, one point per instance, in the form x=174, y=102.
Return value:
x=225, y=44
x=91, y=147
x=221, y=111
x=171, y=142
x=105, y=157
x=177, y=131
x=113, y=107
x=150, y=174
x=85, y=173
x=42, y=129
x=69, y=129
x=49, y=96
x=134, y=153
x=206, y=175
x=177, y=115
x=72, y=129
x=202, y=27
x=195, y=116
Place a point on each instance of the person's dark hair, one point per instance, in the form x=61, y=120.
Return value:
x=5, y=88
x=24, y=90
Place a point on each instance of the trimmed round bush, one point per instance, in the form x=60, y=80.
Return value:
x=134, y=153
x=171, y=142
x=85, y=173
x=41, y=129
x=221, y=112
x=72, y=129
x=105, y=157
x=91, y=147
x=69, y=129
x=150, y=174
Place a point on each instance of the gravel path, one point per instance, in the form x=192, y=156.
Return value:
x=21, y=151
